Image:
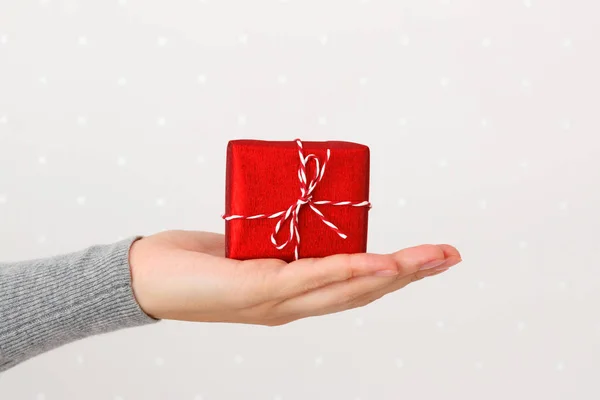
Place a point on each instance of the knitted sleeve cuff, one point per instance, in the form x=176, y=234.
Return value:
x=50, y=302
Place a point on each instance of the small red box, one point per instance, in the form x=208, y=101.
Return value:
x=263, y=179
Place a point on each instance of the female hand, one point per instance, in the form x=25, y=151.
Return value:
x=183, y=275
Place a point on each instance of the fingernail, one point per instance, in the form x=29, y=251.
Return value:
x=452, y=262
x=386, y=272
x=432, y=264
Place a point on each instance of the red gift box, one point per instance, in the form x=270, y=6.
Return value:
x=294, y=199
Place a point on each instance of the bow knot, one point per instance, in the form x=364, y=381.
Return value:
x=304, y=200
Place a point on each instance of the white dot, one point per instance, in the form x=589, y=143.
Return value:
x=159, y=361
x=363, y=81
x=161, y=121
x=563, y=205
x=277, y=397
x=526, y=83
x=80, y=200
x=121, y=161
x=481, y=285
x=324, y=39
x=238, y=359
x=322, y=120
x=566, y=124
x=440, y=324
x=43, y=80
x=359, y=321
x=523, y=244
x=479, y=365
x=404, y=40
x=566, y=42
x=201, y=79
x=82, y=41
x=443, y=163
x=122, y=81
x=444, y=82
x=41, y=239
x=562, y=285
x=161, y=41
x=521, y=326
x=198, y=397
x=318, y=361
x=399, y=363
x=3, y=39
x=486, y=42
x=3, y=199
x=483, y=204
x=401, y=202
x=560, y=366
x=524, y=164
x=118, y=398
x=79, y=359
x=3, y=119
x=241, y=119
x=402, y=121
x=484, y=122
x=81, y=120
x=40, y=396
x=44, y=2
x=243, y=38
x=527, y=3
x=200, y=159
x=160, y=202
x=122, y=3
x=282, y=79
x=42, y=160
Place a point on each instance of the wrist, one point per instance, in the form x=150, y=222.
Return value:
x=136, y=260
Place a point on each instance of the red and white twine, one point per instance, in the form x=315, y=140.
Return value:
x=306, y=190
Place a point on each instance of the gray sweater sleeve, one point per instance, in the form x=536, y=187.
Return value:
x=50, y=302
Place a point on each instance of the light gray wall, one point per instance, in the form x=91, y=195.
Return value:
x=482, y=119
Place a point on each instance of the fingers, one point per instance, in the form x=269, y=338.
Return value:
x=336, y=297
x=399, y=284
x=306, y=275
x=452, y=257
x=360, y=291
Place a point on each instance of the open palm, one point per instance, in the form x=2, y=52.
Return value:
x=184, y=275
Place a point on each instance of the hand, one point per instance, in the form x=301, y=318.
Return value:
x=184, y=275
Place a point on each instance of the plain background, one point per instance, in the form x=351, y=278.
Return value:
x=482, y=118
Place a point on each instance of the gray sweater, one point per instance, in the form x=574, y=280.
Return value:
x=47, y=303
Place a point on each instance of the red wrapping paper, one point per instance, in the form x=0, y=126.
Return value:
x=262, y=178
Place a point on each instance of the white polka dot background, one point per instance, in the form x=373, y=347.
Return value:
x=482, y=119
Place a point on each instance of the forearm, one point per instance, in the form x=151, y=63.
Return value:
x=47, y=303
